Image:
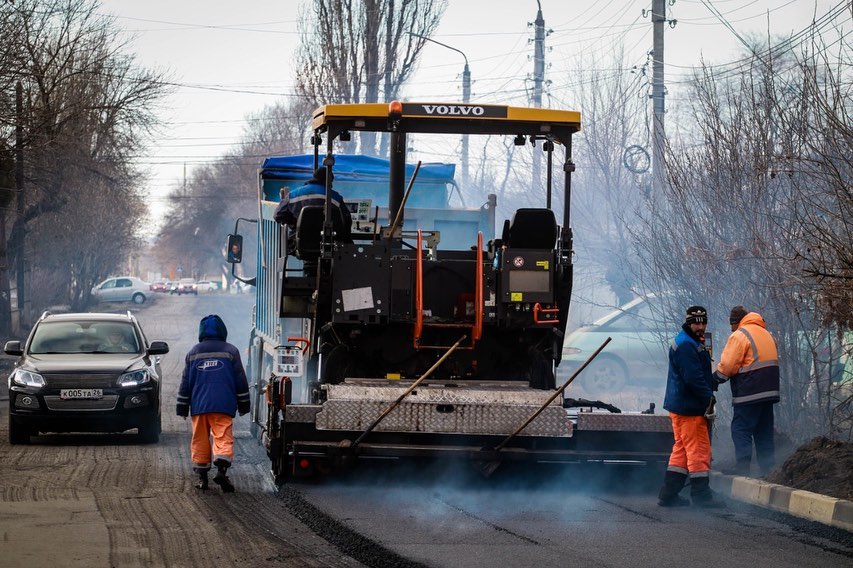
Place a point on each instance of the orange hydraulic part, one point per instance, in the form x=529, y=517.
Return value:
x=477, y=331
x=419, y=291
x=538, y=309
x=301, y=340
x=477, y=326
x=282, y=391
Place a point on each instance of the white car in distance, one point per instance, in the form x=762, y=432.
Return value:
x=122, y=289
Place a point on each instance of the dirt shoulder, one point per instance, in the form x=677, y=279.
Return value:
x=821, y=465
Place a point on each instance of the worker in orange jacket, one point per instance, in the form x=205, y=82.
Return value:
x=750, y=362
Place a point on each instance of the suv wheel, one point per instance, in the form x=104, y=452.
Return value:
x=149, y=433
x=138, y=298
x=606, y=374
x=18, y=434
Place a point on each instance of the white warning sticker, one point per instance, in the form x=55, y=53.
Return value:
x=357, y=299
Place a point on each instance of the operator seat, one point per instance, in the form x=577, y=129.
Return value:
x=309, y=231
x=531, y=228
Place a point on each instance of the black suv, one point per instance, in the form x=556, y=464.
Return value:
x=85, y=373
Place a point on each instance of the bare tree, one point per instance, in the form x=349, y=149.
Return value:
x=820, y=167
x=818, y=162
x=88, y=109
x=204, y=211
x=278, y=129
x=356, y=51
x=729, y=228
x=606, y=195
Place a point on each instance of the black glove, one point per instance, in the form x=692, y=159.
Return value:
x=182, y=410
x=711, y=411
x=243, y=408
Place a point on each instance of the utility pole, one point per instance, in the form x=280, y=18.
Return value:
x=658, y=93
x=19, y=187
x=5, y=294
x=466, y=98
x=538, y=80
x=538, y=58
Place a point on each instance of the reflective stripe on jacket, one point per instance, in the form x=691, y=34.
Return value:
x=689, y=382
x=751, y=360
x=213, y=380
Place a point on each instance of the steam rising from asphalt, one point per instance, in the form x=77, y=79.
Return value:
x=450, y=494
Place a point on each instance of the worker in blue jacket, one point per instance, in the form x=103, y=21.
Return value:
x=690, y=401
x=313, y=192
x=213, y=389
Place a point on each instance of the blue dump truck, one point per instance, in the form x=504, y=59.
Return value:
x=422, y=332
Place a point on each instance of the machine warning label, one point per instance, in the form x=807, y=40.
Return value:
x=516, y=296
x=357, y=299
x=543, y=264
x=518, y=262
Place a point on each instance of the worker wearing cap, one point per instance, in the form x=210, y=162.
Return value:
x=750, y=361
x=689, y=398
x=312, y=193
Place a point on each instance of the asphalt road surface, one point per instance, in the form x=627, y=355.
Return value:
x=76, y=500
x=103, y=500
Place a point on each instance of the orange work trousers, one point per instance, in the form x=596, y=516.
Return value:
x=220, y=426
x=691, y=452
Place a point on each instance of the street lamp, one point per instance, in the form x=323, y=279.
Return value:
x=466, y=97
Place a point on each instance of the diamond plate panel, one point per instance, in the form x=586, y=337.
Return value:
x=461, y=394
x=458, y=410
x=301, y=412
x=602, y=421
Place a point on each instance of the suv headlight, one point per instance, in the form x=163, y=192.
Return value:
x=134, y=378
x=27, y=378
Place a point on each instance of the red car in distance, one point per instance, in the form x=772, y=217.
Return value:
x=159, y=286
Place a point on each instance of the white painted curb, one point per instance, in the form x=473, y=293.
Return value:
x=804, y=504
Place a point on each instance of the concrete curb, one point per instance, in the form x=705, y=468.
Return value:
x=804, y=504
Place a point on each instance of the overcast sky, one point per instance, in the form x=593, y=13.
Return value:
x=232, y=58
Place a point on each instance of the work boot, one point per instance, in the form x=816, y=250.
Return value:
x=202, y=481
x=673, y=483
x=702, y=496
x=220, y=478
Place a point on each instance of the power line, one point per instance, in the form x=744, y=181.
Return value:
x=183, y=26
x=788, y=45
x=725, y=23
x=713, y=21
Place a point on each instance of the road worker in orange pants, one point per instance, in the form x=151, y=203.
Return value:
x=689, y=399
x=213, y=389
